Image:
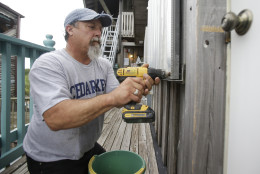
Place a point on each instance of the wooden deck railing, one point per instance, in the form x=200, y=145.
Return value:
x=127, y=25
x=10, y=46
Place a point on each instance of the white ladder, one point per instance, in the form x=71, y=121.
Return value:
x=109, y=42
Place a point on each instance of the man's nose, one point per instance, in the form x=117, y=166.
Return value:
x=98, y=33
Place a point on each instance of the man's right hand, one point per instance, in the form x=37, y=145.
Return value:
x=124, y=93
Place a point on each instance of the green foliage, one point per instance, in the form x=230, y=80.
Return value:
x=27, y=83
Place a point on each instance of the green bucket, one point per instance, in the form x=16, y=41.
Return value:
x=117, y=162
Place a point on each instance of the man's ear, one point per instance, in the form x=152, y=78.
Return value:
x=69, y=29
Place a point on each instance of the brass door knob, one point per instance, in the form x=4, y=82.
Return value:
x=241, y=22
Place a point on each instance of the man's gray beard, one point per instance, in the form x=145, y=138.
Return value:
x=94, y=52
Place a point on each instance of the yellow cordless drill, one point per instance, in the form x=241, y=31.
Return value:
x=135, y=112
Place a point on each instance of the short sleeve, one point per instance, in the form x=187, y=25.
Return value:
x=112, y=81
x=48, y=84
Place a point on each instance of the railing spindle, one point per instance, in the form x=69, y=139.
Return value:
x=21, y=94
x=33, y=58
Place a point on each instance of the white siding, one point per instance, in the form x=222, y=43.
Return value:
x=157, y=47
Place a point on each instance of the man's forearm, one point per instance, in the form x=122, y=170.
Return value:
x=74, y=113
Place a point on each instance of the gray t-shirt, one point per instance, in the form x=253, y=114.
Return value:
x=54, y=77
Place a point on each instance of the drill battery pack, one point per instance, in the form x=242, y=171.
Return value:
x=138, y=113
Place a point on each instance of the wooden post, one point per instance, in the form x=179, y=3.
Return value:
x=6, y=94
x=201, y=143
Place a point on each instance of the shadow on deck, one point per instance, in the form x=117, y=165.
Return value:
x=116, y=135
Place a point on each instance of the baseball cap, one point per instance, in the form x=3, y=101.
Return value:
x=86, y=14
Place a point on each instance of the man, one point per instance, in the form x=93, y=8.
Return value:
x=71, y=89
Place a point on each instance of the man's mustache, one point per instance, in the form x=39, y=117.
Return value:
x=95, y=39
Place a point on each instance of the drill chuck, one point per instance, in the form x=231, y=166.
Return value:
x=153, y=73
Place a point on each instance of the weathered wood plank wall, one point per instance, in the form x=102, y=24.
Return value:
x=165, y=120
x=167, y=104
x=202, y=135
x=190, y=118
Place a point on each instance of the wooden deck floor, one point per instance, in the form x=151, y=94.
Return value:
x=116, y=135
